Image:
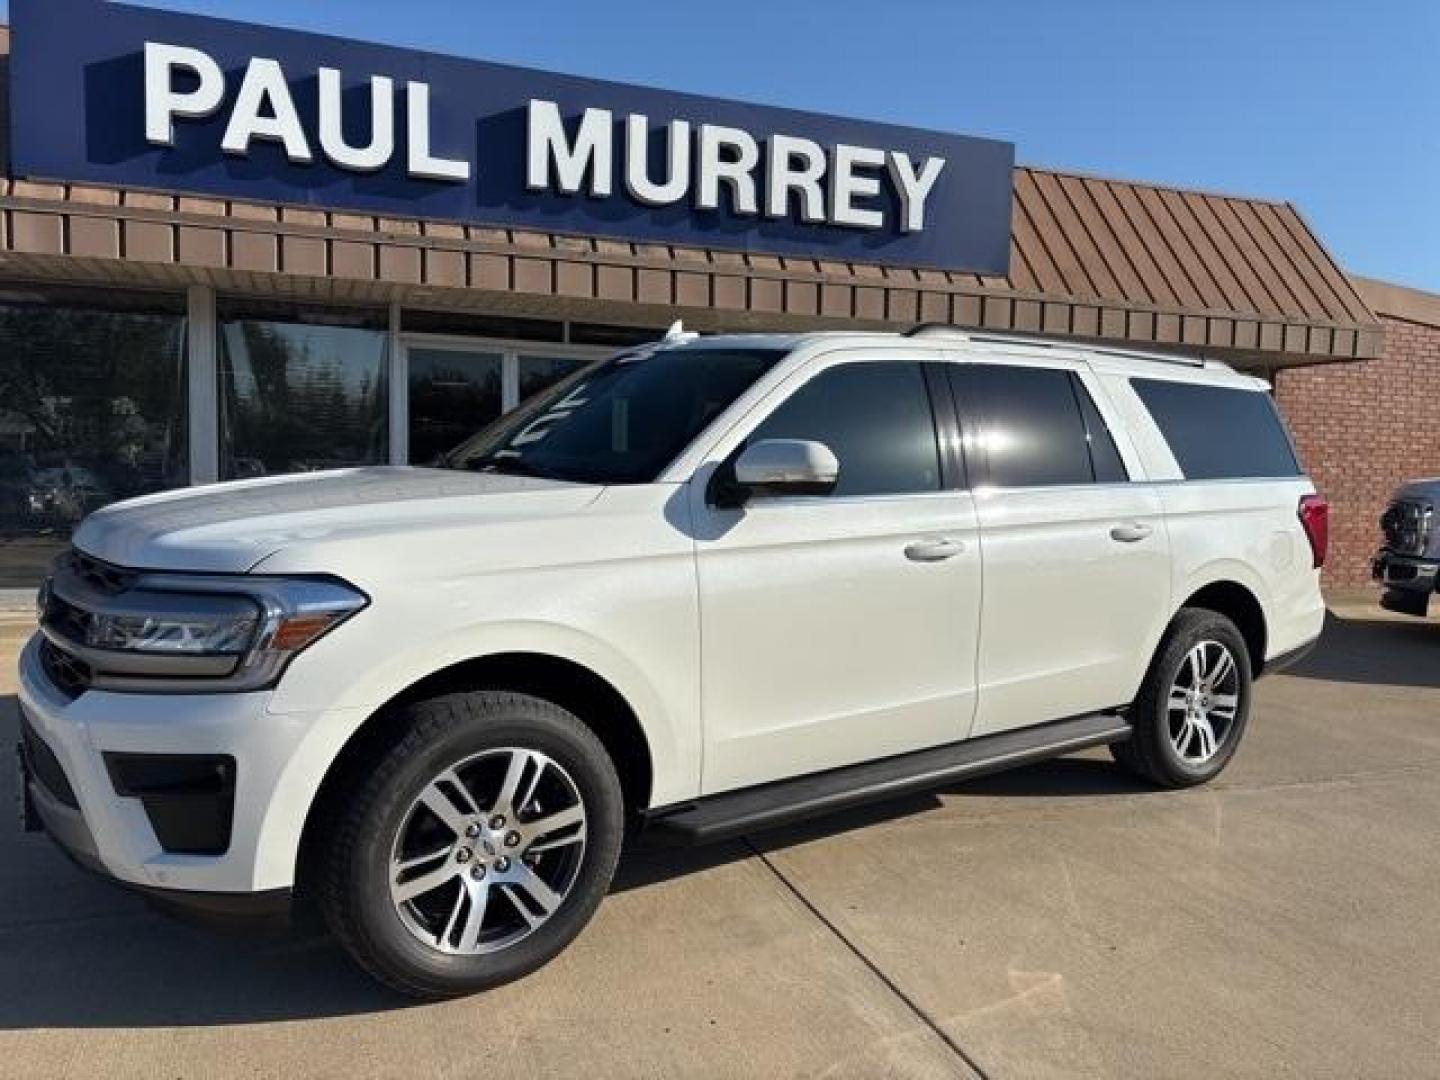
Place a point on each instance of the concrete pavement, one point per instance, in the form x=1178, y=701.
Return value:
x=1053, y=922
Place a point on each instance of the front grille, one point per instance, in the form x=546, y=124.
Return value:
x=1406, y=526
x=65, y=618
x=69, y=674
x=44, y=766
x=69, y=622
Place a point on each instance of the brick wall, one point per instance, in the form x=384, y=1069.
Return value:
x=1363, y=428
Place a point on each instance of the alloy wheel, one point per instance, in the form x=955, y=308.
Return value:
x=1204, y=700
x=488, y=851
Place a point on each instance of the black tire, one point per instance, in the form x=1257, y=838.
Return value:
x=1150, y=751
x=357, y=843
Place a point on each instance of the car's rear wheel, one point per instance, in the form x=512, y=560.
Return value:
x=475, y=846
x=1192, y=708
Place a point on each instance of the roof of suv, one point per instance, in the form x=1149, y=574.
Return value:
x=1105, y=357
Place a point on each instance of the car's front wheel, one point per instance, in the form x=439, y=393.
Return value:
x=1192, y=708
x=474, y=847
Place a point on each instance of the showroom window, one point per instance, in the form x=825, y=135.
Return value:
x=453, y=391
x=301, y=389
x=92, y=409
x=539, y=372
x=459, y=371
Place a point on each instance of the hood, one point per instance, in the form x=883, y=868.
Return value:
x=233, y=526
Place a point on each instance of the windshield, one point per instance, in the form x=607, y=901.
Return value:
x=619, y=421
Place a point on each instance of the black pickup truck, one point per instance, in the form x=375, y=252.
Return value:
x=1407, y=563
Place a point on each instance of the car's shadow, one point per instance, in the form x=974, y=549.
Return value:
x=1381, y=651
x=644, y=865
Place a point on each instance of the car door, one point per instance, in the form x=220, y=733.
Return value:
x=1077, y=570
x=839, y=628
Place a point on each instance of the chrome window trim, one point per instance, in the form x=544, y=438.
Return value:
x=760, y=502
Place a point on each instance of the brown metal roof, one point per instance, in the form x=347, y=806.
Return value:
x=1129, y=242
x=1203, y=257
x=1091, y=258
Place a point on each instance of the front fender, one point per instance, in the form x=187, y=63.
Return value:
x=673, y=743
x=404, y=669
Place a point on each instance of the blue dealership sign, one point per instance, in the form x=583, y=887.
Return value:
x=113, y=94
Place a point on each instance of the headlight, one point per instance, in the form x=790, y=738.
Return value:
x=176, y=624
x=182, y=632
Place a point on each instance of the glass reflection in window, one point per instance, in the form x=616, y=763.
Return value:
x=540, y=372
x=298, y=397
x=92, y=410
x=452, y=393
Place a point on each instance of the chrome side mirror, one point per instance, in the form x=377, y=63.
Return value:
x=787, y=467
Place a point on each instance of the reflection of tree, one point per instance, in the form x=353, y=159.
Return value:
x=449, y=402
x=95, y=388
x=301, y=396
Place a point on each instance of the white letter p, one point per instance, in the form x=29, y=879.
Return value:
x=163, y=102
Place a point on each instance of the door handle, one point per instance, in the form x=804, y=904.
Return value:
x=1129, y=534
x=933, y=550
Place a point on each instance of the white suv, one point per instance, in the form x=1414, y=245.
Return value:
x=699, y=588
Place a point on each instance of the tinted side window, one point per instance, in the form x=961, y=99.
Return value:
x=1219, y=432
x=876, y=419
x=1104, y=458
x=1024, y=422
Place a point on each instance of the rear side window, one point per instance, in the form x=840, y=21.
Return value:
x=875, y=418
x=1219, y=432
x=1033, y=427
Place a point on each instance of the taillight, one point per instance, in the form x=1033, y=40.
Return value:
x=1315, y=517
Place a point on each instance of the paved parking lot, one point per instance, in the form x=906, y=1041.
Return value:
x=1054, y=922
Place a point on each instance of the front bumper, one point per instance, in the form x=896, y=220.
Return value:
x=1408, y=582
x=275, y=762
x=44, y=810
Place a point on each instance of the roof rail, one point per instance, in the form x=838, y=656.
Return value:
x=939, y=329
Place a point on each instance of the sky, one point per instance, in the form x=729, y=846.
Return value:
x=1331, y=105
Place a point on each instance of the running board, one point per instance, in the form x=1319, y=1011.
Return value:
x=732, y=813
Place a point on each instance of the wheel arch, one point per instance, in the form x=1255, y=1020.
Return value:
x=558, y=679
x=1239, y=603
